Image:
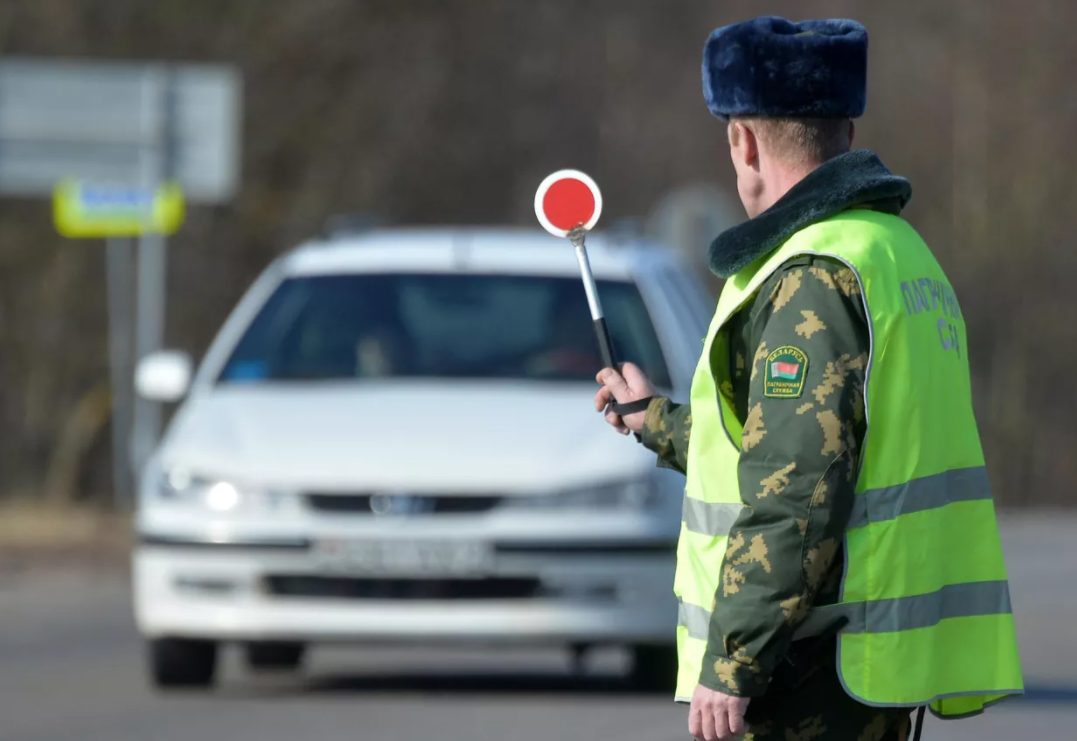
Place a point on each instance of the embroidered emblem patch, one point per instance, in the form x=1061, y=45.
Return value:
x=786, y=369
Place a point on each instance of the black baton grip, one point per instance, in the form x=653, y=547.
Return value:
x=605, y=344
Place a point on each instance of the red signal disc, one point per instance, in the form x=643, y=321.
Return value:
x=568, y=204
x=567, y=199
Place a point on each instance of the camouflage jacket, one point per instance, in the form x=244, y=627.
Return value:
x=797, y=466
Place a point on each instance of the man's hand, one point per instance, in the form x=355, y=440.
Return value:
x=628, y=385
x=714, y=715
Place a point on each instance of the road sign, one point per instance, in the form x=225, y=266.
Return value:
x=566, y=200
x=119, y=122
x=96, y=210
x=136, y=125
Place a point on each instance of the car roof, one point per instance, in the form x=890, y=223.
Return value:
x=499, y=250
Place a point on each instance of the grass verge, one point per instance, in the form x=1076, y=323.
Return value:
x=33, y=532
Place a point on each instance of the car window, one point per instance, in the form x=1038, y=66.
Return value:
x=440, y=325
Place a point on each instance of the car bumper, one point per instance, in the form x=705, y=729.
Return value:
x=554, y=592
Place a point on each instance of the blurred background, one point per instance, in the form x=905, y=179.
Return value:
x=449, y=112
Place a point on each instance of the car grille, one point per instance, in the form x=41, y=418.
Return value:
x=411, y=504
x=334, y=587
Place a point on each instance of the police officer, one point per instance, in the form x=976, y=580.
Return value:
x=839, y=562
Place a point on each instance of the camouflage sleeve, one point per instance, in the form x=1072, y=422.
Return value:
x=666, y=430
x=804, y=423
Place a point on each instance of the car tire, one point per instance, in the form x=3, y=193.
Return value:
x=270, y=656
x=182, y=662
x=654, y=667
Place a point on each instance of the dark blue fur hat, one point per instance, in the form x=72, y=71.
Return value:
x=771, y=67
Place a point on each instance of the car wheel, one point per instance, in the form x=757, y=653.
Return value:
x=654, y=668
x=274, y=655
x=182, y=662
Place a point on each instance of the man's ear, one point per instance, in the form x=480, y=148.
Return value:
x=744, y=144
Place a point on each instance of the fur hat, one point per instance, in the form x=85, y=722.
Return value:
x=771, y=67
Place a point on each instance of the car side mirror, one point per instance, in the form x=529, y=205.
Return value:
x=164, y=376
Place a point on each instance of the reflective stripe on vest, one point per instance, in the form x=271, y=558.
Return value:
x=924, y=596
x=917, y=495
x=710, y=518
x=885, y=616
x=929, y=492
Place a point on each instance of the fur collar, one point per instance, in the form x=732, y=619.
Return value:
x=857, y=179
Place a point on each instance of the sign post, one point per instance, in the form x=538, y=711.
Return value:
x=119, y=279
x=568, y=204
x=146, y=128
x=119, y=213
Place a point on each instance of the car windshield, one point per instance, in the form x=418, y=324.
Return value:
x=369, y=326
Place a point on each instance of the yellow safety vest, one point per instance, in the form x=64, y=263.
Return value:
x=924, y=589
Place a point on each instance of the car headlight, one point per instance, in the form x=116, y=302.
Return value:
x=182, y=487
x=222, y=496
x=641, y=493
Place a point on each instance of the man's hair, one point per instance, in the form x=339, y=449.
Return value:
x=801, y=141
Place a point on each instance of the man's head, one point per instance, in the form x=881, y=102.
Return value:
x=789, y=92
x=770, y=155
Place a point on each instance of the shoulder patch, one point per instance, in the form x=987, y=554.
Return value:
x=785, y=371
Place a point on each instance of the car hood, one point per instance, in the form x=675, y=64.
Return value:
x=458, y=437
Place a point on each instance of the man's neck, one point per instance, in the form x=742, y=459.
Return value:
x=782, y=180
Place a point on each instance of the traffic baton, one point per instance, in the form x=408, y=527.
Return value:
x=568, y=204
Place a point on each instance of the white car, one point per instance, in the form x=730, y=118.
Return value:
x=393, y=438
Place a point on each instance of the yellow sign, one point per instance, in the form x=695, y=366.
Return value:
x=87, y=210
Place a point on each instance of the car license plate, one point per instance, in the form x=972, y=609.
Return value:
x=402, y=557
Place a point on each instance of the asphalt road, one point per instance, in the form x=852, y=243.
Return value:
x=71, y=669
